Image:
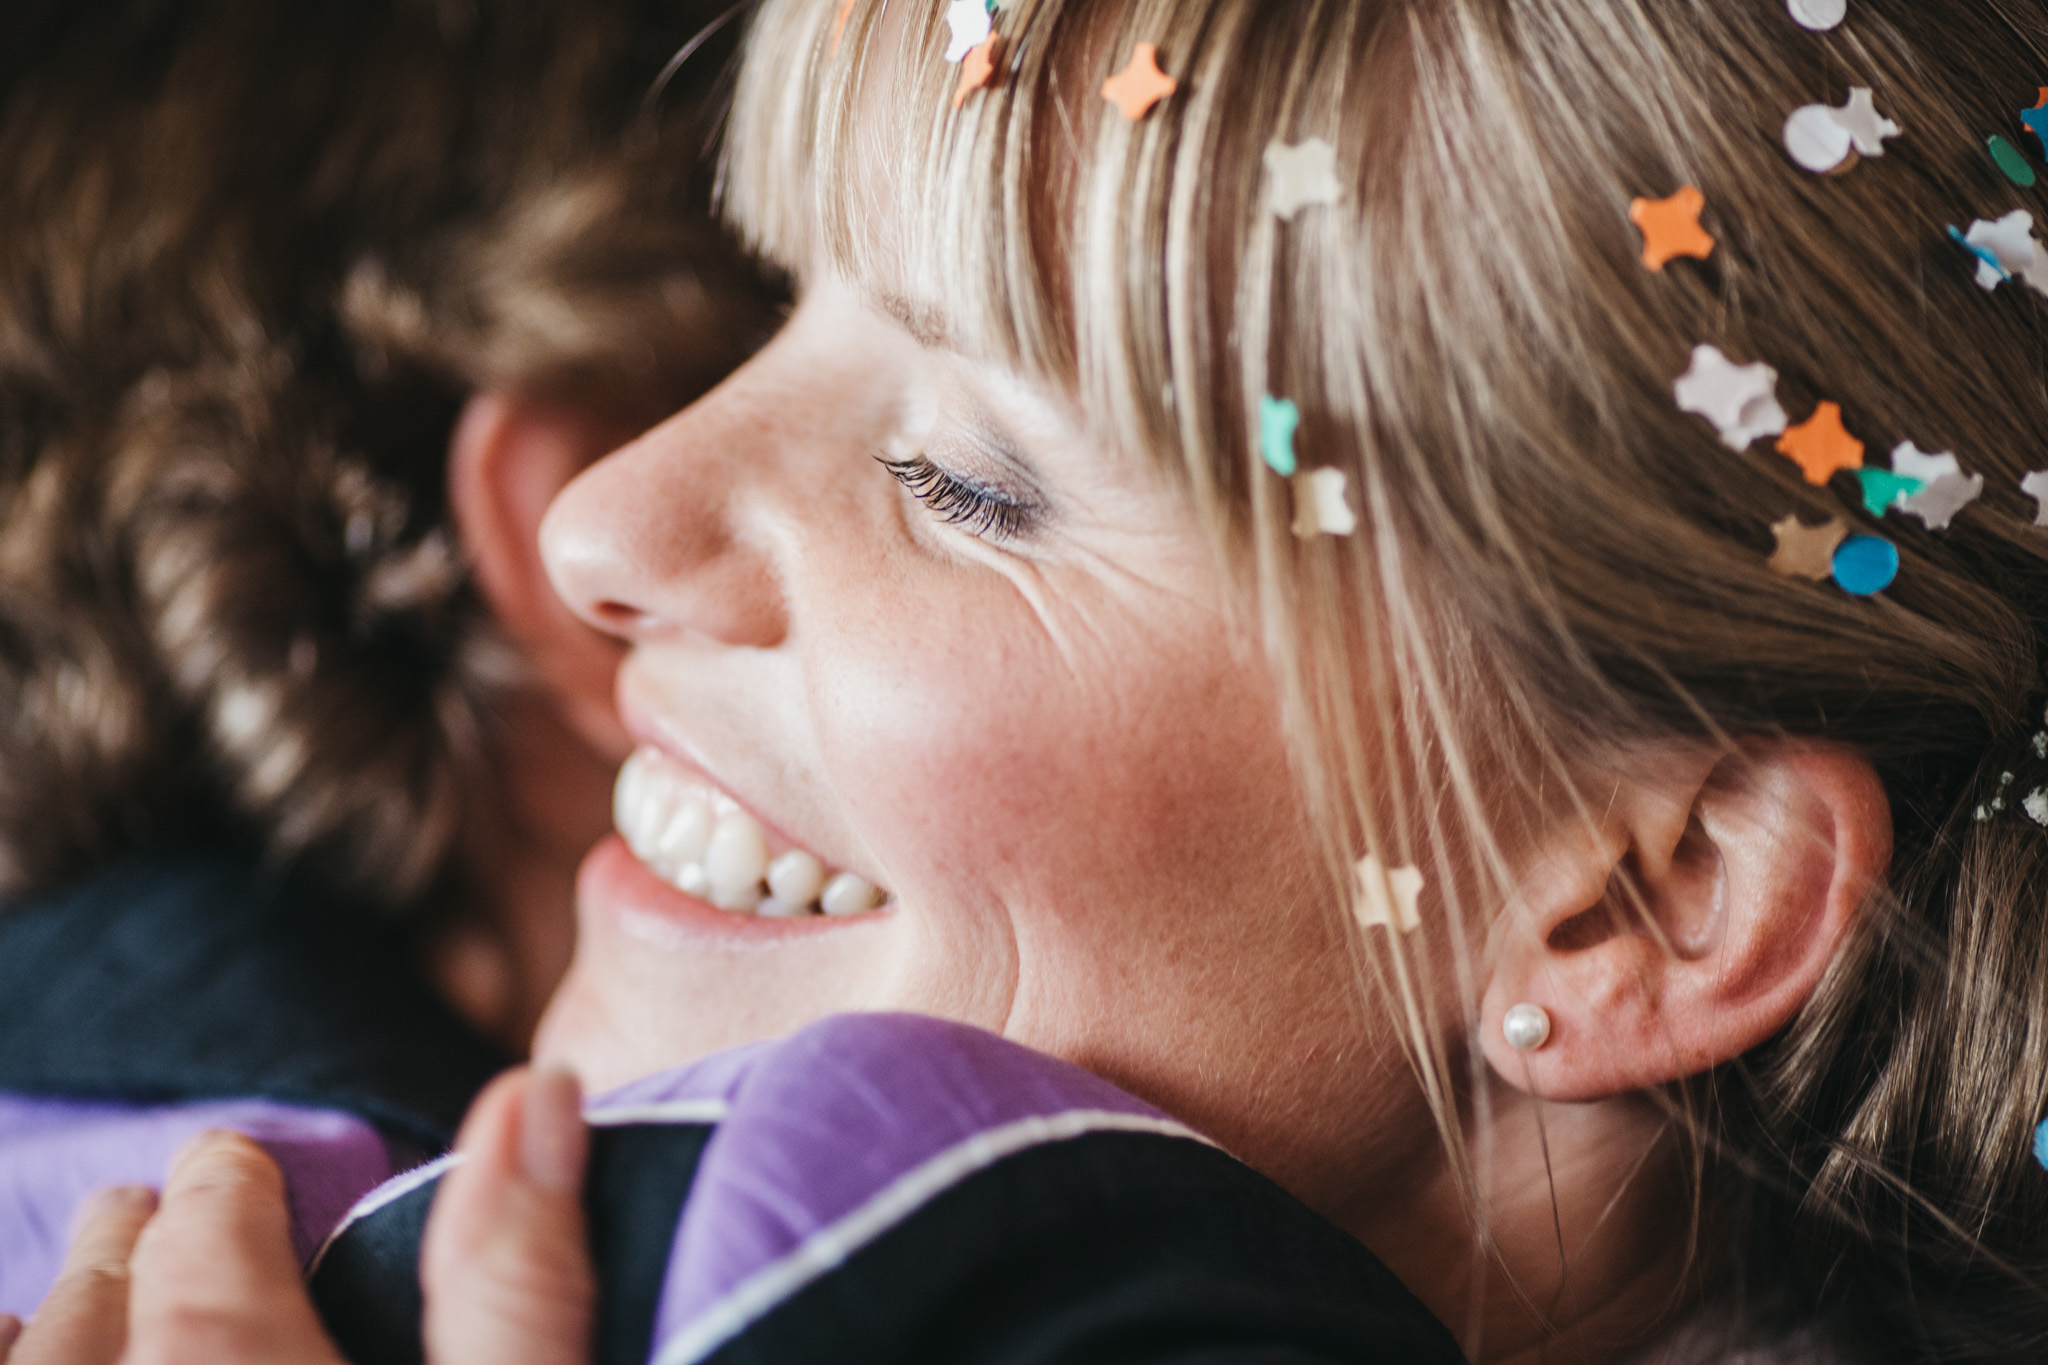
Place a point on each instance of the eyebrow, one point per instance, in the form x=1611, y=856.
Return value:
x=927, y=326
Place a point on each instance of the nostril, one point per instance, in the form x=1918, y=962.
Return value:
x=616, y=617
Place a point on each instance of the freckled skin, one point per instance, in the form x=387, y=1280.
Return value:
x=1057, y=752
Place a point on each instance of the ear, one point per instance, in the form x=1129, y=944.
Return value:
x=509, y=456
x=1692, y=923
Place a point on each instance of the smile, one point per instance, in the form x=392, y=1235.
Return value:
x=703, y=843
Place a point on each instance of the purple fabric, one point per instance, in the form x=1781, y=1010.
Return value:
x=55, y=1152
x=825, y=1121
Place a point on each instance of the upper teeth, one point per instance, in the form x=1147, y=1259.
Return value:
x=697, y=838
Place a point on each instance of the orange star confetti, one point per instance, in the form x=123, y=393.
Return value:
x=1671, y=227
x=839, y=24
x=1140, y=85
x=977, y=70
x=1821, y=446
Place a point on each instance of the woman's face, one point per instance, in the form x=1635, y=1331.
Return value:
x=1019, y=707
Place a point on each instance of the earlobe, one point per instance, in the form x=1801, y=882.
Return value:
x=508, y=458
x=1692, y=925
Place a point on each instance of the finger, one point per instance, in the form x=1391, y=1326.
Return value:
x=505, y=1266
x=10, y=1332
x=82, y=1320
x=215, y=1277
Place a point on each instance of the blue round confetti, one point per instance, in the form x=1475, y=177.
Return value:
x=2041, y=1144
x=1866, y=565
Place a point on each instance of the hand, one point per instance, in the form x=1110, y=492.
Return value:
x=209, y=1277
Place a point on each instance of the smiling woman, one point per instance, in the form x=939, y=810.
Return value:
x=1627, y=937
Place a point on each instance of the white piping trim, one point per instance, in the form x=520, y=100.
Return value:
x=830, y=1246
x=662, y=1111
x=385, y=1195
x=611, y=1116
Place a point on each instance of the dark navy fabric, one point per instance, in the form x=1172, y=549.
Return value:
x=886, y=1188
x=366, y=1285
x=196, y=976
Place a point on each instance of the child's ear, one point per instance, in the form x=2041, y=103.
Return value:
x=1692, y=924
x=509, y=456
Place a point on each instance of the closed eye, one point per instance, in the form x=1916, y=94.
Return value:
x=979, y=508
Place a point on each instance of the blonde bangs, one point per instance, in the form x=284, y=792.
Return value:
x=1553, y=565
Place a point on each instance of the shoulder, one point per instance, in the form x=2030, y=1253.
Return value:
x=887, y=1187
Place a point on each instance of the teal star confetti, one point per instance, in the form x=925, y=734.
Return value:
x=1279, y=419
x=2041, y=1145
x=1882, y=488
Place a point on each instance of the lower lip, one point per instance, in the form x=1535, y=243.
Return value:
x=614, y=883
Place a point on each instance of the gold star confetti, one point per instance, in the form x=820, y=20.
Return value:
x=1807, y=551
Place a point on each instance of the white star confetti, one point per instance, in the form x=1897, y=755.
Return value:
x=1866, y=127
x=2036, y=806
x=1301, y=175
x=971, y=25
x=1388, y=898
x=1321, y=506
x=1821, y=16
x=2011, y=239
x=2035, y=486
x=1948, y=490
x=1740, y=400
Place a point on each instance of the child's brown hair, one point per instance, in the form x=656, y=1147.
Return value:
x=253, y=259
x=1554, y=564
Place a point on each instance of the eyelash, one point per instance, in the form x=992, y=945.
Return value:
x=956, y=500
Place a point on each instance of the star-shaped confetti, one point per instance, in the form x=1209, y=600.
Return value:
x=1821, y=446
x=2036, y=120
x=1301, y=175
x=1867, y=128
x=1807, y=551
x=1671, y=227
x=1321, y=505
x=1944, y=489
x=2035, y=486
x=1740, y=400
x=1821, y=16
x=1882, y=488
x=1387, y=897
x=971, y=25
x=977, y=71
x=1279, y=419
x=839, y=24
x=1140, y=85
x=2012, y=161
x=2005, y=249
x=1866, y=566
x=2036, y=805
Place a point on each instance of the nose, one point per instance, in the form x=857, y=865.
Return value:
x=654, y=541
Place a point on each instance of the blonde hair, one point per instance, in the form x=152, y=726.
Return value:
x=1553, y=562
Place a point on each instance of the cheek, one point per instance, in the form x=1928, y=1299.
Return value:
x=1086, y=775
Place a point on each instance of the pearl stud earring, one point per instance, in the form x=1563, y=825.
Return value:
x=1526, y=1027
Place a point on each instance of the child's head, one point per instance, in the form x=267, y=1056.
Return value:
x=254, y=262
x=1114, y=735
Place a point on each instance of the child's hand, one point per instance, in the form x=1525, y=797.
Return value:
x=210, y=1275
